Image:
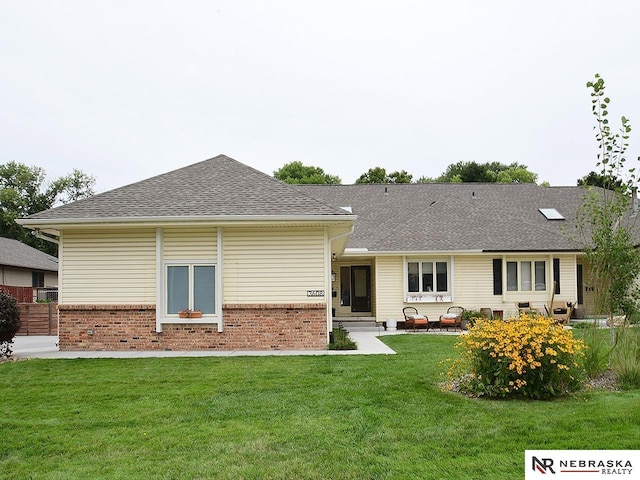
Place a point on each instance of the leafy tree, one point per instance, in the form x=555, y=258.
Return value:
x=297, y=173
x=596, y=179
x=490, y=172
x=605, y=223
x=22, y=193
x=400, y=177
x=379, y=175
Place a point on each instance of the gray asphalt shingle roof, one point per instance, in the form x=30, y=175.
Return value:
x=218, y=186
x=390, y=218
x=455, y=217
x=16, y=254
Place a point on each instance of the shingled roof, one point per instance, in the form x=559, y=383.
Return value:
x=16, y=254
x=220, y=186
x=455, y=217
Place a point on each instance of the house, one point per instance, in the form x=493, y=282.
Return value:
x=25, y=270
x=218, y=255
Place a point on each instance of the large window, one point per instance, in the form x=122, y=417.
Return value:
x=191, y=286
x=428, y=276
x=527, y=276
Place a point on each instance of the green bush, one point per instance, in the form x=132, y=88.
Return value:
x=9, y=322
x=596, y=354
x=529, y=356
x=341, y=340
x=469, y=317
x=626, y=358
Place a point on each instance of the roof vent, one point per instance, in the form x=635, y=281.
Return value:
x=348, y=209
x=551, y=213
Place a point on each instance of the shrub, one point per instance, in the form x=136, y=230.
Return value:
x=9, y=322
x=341, y=340
x=596, y=354
x=530, y=357
x=469, y=317
x=626, y=358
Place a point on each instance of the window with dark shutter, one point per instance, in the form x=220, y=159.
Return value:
x=556, y=274
x=497, y=276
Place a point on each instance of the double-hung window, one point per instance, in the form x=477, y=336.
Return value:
x=527, y=276
x=190, y=286
x=428, y=276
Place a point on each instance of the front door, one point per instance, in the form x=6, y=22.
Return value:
x=361, y=288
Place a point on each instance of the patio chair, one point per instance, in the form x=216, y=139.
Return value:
x=560, y=311
x=524, y=308
x=412, y=319
x=453, y=318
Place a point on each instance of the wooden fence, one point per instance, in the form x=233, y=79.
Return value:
x=38, y=319
x=21, y=294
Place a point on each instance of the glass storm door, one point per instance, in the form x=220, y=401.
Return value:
x=361, y=289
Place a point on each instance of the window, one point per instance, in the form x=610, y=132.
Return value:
x=37, y=279
x=191, y=286
x=527, y=276
x=428, y=276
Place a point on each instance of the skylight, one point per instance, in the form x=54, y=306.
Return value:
x=551, y=213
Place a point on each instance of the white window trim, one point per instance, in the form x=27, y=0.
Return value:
x=161, y=269
x=428, y=297
x=190, y=264
x=518, y=261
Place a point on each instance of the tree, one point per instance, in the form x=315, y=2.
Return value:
x=297, y=173
x=490, y=172
x=606, y=224
x=22, y=193
x=596, y=179
x=379, y=175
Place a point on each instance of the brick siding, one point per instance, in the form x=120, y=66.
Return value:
x=246, y=327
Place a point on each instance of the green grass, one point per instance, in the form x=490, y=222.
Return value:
x=333, y=417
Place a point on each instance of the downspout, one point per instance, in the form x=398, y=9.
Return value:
x=159, y=281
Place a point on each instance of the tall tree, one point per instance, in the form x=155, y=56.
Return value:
x=606, y=222
x=596, y=179
x=23, y=192
x=379, y=175
x=297, y=173
x=490, y=172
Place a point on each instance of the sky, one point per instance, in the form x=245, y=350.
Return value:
x=125, y=90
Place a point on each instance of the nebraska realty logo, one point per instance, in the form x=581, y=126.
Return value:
x=578, y=464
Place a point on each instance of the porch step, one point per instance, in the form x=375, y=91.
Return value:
x=355, y=322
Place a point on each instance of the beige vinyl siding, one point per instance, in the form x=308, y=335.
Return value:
x=473, y=282
x=472, y=286
x=50, y=279
x=568, y=283
x=16, y=277
x=273, y=265
x=189, y=244
x=390, y=288
x=109, y=267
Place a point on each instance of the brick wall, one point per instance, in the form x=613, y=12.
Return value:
x=246, y=327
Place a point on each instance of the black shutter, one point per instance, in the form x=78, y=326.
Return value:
x=497, y=276
x=556, y=274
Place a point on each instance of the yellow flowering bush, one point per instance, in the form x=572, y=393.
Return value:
x=529, y=356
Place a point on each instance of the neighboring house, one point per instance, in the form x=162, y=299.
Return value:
x=24, y=270
x=269, y=265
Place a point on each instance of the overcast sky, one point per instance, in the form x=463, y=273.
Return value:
x=125, y=90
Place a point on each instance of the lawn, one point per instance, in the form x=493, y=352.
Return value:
x=333, y=417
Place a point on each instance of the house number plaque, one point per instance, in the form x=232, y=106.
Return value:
x=315, y=293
